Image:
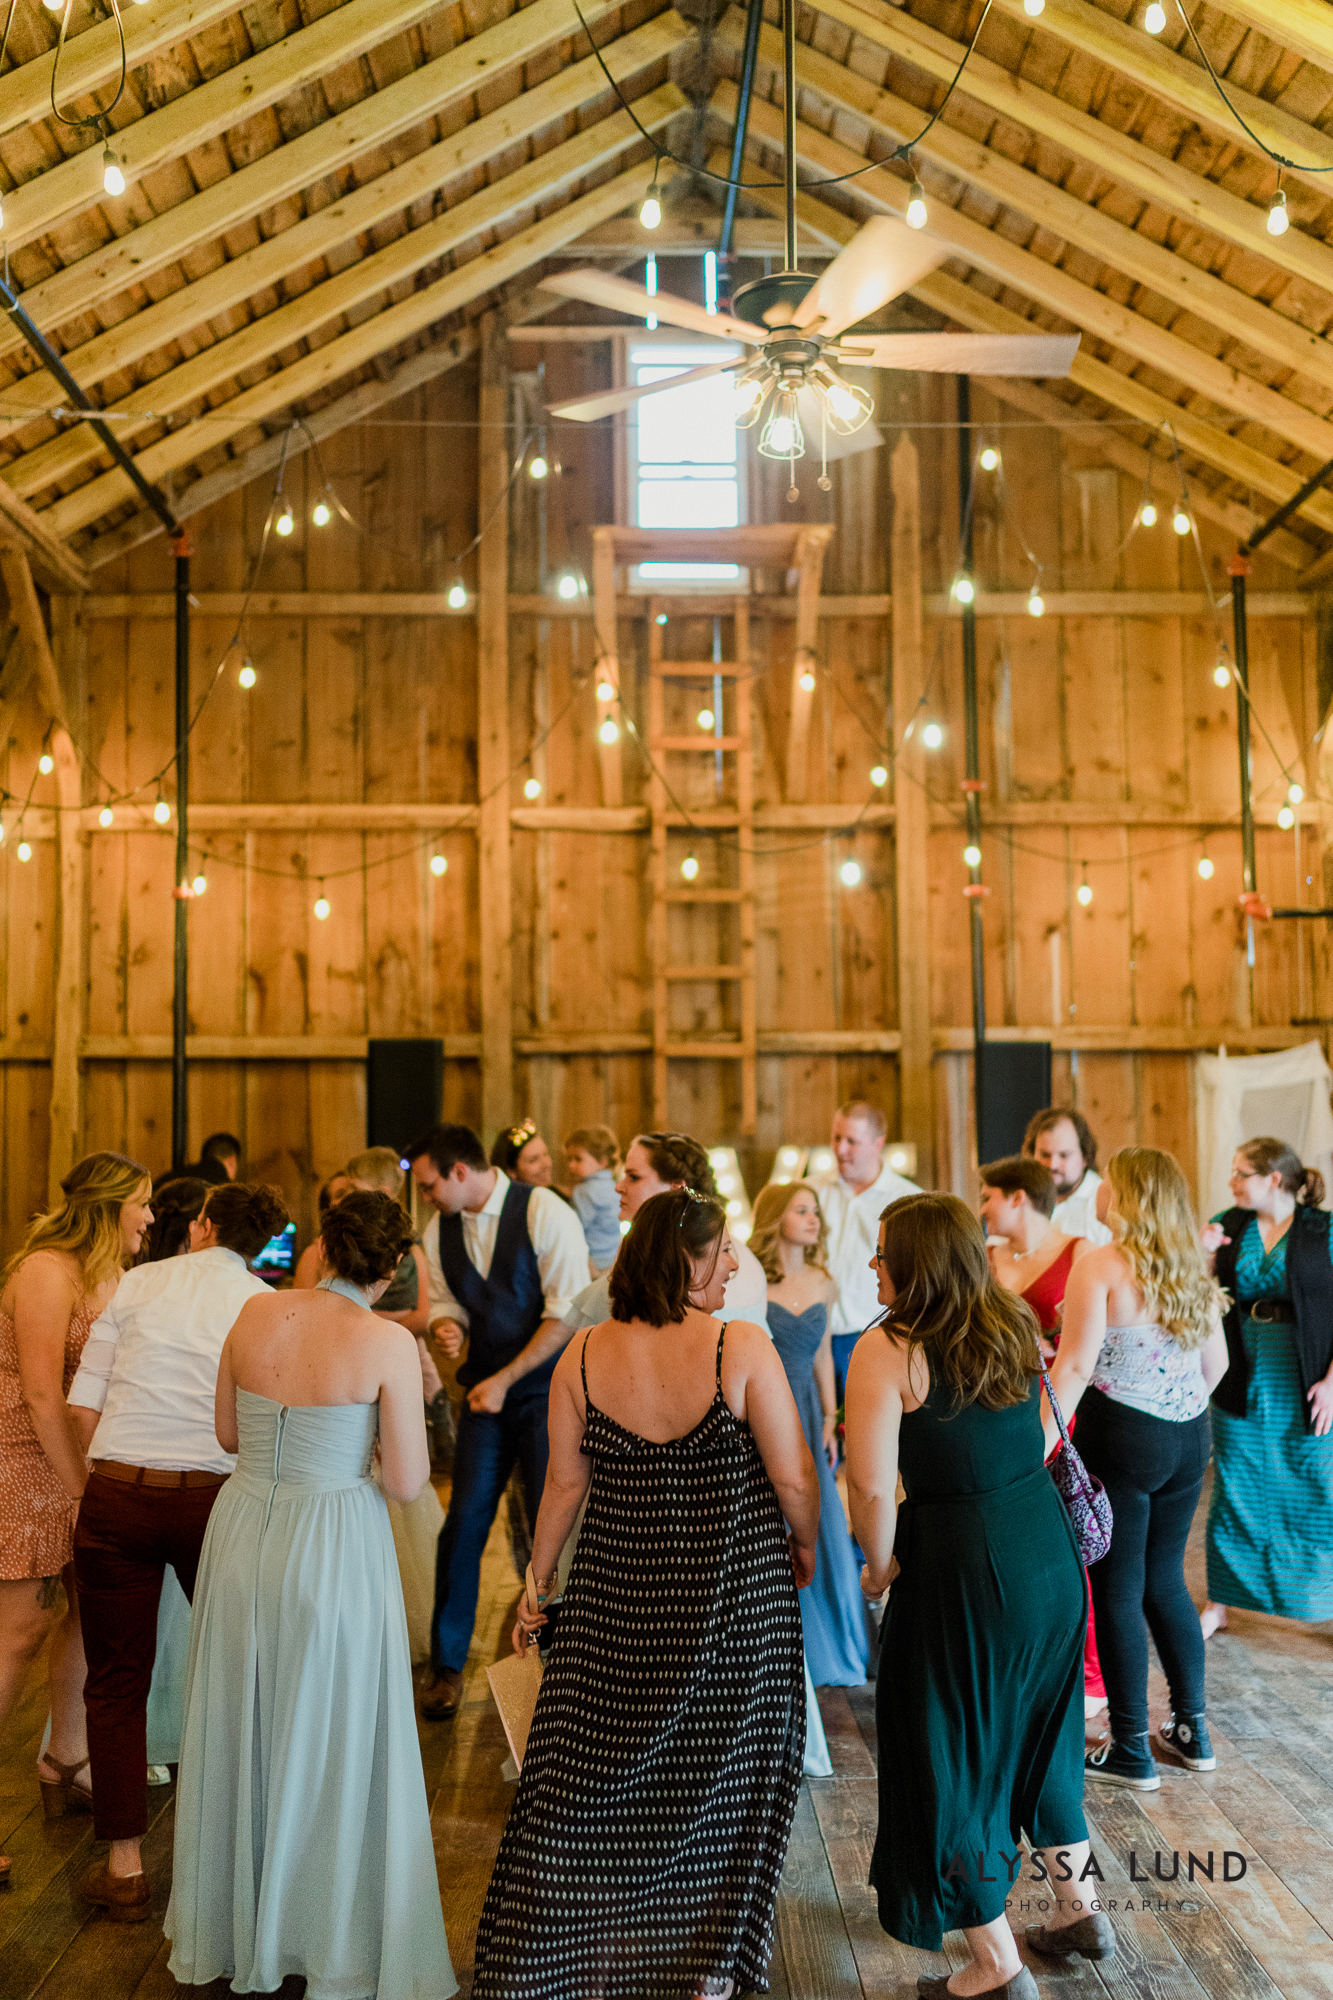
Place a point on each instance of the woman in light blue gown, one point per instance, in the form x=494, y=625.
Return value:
x=303, y=1841
x=788, y=1238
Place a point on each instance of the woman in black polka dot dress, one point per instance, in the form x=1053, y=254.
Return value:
x=643, y=1852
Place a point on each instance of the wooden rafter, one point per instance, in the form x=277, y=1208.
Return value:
x=337, y=357
x=61, y=458
x=1154, y=176
x=92, y=58
x=1133, y=333
x=328, y=148
x=274, y=259
x=1303, y=25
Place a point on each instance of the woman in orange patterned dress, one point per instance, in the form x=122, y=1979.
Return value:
x=67, y=1270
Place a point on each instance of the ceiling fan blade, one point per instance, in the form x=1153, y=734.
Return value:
x=1049, y=355
x=600, y=288
x=884, y=258
x=607, y=402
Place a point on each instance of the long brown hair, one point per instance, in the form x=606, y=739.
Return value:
x=982, y=1339
x=87, y=1222
x=769, y=1209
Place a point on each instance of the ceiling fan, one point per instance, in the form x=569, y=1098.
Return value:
x=793, y=325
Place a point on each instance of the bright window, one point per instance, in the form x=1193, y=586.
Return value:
x=683, y=454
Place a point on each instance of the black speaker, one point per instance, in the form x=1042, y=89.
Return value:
x=404, y=1090
x=1013, y=1082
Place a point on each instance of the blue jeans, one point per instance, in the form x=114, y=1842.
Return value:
x=487, y=1451
x=842, y=1345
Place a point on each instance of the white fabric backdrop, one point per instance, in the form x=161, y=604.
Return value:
x=1283, y=1096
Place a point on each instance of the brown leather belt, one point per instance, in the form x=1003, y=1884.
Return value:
x=151, y=1475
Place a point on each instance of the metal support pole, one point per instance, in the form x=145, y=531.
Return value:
x=971, y=744
x=181, y=954
x=1239, y=569
x=789, y=123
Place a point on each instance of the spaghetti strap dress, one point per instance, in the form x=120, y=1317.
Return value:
x=36, y=1513
x=833, y=1615
x=646, y=1841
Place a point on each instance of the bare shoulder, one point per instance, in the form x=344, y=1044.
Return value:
x=1101, y=1264
x=744, y=1342
x=878, y=1362
x=47, y=1280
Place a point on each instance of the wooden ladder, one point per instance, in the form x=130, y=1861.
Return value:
x=731, y=745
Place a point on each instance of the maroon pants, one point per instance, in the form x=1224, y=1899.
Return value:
x=123, y=1540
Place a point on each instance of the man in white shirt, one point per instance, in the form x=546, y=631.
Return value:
x=852, y=1203
x=142, y=1402
x=505, y=1261
x=1062, y=1141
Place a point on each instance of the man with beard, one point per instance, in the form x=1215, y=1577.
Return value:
x=1062, y=1141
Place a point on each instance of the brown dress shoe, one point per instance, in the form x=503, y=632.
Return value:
x=1092, y=1936
x=1021, y=1987
x=125, y=1898
x=443, y=1698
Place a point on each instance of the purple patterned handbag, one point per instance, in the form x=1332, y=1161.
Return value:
x=1084, y=1497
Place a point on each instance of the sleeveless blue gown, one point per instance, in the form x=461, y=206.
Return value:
x=303, y=1840
x=833, y=1616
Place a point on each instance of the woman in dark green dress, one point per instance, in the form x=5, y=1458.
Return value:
x=979, y=1709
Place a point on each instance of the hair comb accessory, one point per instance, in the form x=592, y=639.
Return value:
x=518, y=1135
x=691, y=1195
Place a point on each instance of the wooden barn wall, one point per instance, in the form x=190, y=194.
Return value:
x=1108, y=754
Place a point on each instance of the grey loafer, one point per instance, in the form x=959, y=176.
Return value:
x=1021, y=1987
x=1092, y=1936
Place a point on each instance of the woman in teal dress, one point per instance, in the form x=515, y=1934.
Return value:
x=303, y=1841
x=789, y=1238
x=1270, y=1519
x=979, y=1696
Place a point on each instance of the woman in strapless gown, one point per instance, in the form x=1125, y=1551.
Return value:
x=788, y=1238
x=303, y=1841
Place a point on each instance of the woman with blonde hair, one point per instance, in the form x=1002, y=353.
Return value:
x=977, y=1699
x=1141, y=1348
x=790, y=1239
x=54, y=1288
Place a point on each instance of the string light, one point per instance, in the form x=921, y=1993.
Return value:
x=538, y=467
x=161, y=812
x=286, y=521
x=567, y=587
x=972, y=856
x=438, y=864
x=1205, y=867
x=879, y=776
x=200, y=884
x=1286, y=819
x=964, y=590
x=113, y=180
x=247, y=676
x=1147, y=515
x=932, y=736
x=606, y=689
x=1279, y=222
x=661, y=618
x=1034, y=7
x=23, y=851
x=917, y=214
x=705, y=718
x=1084, y=892
x=1295, y=793
x=46, y=763
x=990, y=457
x=1036, y=602
x=651, y=212
x=850, y=872
x=321, y=513
x=807, y=681
x=457, y=597
x=1180, y=520
x=1222, y=674
x=689, y=868
x=609, y=732
x=1154, y=19
x=105, y=817
x=532, y=788
x=321, y=904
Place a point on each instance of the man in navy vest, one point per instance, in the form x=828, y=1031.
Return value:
x=505, y=1262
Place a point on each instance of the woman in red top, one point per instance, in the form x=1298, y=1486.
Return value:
x=1030, y=1256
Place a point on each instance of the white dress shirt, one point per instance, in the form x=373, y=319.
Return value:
x=853, y=1232
x=151, y=1361
x=746, y=1296
x=1077, y=1213
x=557, y=1239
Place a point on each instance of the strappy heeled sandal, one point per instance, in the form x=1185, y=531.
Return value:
x=61, y=1795
x=5, y=1865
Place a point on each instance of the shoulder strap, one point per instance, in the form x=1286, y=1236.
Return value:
x=583, y=1367
x=721, y=1337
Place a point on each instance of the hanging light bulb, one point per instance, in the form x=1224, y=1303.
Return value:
x=532, y=788
x=917, y=214
x=106, y=817
x=1147, y=515
x=1084, y=892
x=782, y=436
x=845, y=408
x=1205, y=868
x=438, y=864
x=321, y=904
x=54, y=6
x=567, y=587
x=990, y=458
x=972, y=855
x=705, y=718
x=247, y=675
x=1279, y=222
x=46, y=763
x=23, y=851
x=286, y=521
x=1034, y=7
x=609, y=732
x=605, y=689
x=537, y=467
x=457, y=596
x=808, y=681
x=651, y=212
x=1286, y=819
x=1295, y=793
x=689, y=868
x=321, y=513
x=1222, y=674
x=878, y=775
x=200, y=884
x=1154, y=19
x=1180, y=520
x=162, y=812
x=932, y=736
x=850, y=873
x=113, y=180
x=1036, y=602
x=964, y=590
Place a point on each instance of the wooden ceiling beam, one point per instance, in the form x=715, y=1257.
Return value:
x=210, y=108
x=26, y=611
x=1153, y=176
x=328, y=148
x=1303, y=25
x=527, y=187
x=21, y=527
x=1184, y=85
x=1083, y=306
x=270, y=262
x=972, y=309
x=1174, y=278
x=92, y=58
x=347, y=351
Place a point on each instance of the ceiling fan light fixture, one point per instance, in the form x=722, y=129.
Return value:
x=845, y=408
x=917, y=214
x=782, y=436
x=750, y=395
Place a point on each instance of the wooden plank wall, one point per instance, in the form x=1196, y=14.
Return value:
x=1088, y=725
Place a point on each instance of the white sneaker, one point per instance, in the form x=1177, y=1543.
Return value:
x=159, y=1774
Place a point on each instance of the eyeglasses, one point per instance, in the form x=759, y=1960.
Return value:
x=880, y=1258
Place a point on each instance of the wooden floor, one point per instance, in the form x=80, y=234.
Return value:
x=1270, y=1800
